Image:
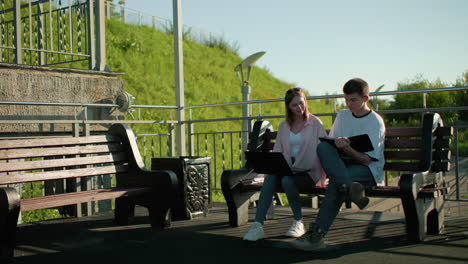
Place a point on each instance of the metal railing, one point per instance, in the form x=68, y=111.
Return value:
x=51, y=32
x=225, y=147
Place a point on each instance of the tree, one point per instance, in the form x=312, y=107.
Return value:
x=411, y=101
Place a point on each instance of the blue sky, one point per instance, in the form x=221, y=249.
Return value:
x=319, y=45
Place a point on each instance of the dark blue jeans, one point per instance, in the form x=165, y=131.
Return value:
x=290, y=186
x=340, y=170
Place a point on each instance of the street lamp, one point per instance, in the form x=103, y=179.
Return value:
x=247, y=64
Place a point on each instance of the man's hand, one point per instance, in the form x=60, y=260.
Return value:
x=344, y=144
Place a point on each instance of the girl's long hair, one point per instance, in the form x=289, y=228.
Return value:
x=290, y=94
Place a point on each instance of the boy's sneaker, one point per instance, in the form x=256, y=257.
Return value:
x=255, y=232
x=296, y=229
x=312, y=240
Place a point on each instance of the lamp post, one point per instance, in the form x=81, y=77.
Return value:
x=247, y=64
x=122, y=10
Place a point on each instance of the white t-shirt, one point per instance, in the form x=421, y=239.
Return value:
x=347, y=125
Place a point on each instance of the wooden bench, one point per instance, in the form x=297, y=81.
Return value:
x=115, y=153
x=420, y=154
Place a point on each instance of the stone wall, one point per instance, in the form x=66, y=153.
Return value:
x=20, y=83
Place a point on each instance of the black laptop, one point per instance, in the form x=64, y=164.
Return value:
x=270, y=163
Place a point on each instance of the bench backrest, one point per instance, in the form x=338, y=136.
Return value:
x=406, y=149
x=39, y=159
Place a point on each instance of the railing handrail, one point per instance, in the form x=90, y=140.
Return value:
x=317, y=97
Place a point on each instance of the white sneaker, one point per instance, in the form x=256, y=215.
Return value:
x=296, y=229
x=255, y=232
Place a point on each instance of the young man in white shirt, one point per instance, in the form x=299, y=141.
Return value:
x=349, y=171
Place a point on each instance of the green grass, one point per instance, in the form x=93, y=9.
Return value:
x=145, y=56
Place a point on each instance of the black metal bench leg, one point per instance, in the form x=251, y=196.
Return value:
x=414, y=230
x=9, y=213
x=124, y=210
x=239, y=211
x=436, y=216
x=160, y=216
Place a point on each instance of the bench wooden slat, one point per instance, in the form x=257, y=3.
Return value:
x=45, y=142
x=401, y=166
x=58, y=163
x=415, y=155
x=404, y=132
x=402, y=143
x=78, y=197
x=402, y=155
x=60, y=174
x=46, y=152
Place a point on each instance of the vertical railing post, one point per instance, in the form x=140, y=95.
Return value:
x=191, y=130
x=108, y=5
x=122, y=11
x=91, y=36
x=30, y=31
x=424, y=105
x=40, y=34
x=75, y=183
x=2, y=27
x=246, y=121
x=100, y=37
x=457, y=179
x=171, y=140
x=179, y=76
x=18, y=38
x=70, y=27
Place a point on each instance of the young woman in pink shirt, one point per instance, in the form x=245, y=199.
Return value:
x=298, y=137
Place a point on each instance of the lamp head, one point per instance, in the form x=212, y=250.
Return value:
x=247, y=63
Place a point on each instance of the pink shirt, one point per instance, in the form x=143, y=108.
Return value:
x=307, y=156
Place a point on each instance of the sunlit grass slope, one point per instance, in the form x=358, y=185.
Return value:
x=145, y=56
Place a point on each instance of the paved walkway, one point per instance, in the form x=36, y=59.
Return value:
x=364, y=237
x=356, y=237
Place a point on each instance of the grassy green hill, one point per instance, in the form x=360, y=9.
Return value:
x=146, y=57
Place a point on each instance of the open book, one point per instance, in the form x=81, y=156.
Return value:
x=360, y=143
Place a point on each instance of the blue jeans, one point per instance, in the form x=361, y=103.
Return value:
x=290, y=186
x=340, y=170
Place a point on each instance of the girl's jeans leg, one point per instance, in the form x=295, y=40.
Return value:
x=291, y=188
x=266, y=197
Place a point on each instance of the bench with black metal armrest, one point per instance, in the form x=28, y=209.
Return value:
x=420, y=154
x=64, y=158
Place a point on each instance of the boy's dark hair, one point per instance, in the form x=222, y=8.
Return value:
x=356, y=85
